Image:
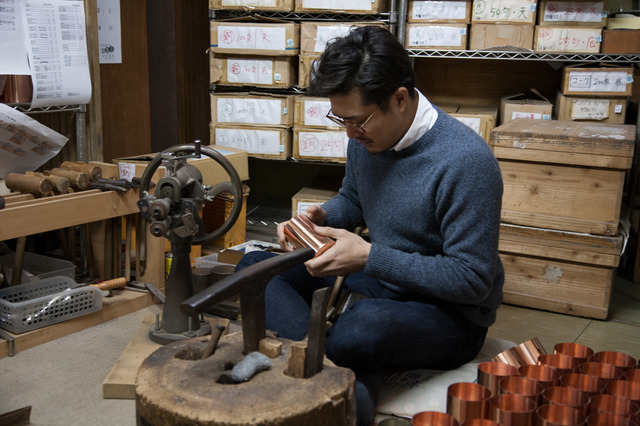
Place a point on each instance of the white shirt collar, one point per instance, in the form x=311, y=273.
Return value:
x=426, y=116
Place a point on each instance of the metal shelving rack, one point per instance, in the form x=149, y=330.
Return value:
x=526, y=56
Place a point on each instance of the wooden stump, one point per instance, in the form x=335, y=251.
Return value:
x=175, y=387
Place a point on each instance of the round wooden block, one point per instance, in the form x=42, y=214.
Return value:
x=175, y=387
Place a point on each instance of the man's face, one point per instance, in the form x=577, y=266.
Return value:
x=376, y=130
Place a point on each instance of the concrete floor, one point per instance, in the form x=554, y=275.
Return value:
x=62, y=379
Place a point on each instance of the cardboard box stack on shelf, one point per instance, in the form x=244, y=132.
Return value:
x=622, y=34
x=315, y=137
x=496, y=23
x=308, y=197
x=594, y=93
x=531, y=105
x=438, y=25
x=560, y=240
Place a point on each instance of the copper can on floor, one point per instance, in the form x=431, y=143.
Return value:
x=563, y=395
x=512, y=410
x=618, y=359
x=559, y=415
x=468, y=401
x=624, y=388
x=540, y=373
x=491, y=372
x=605, y=371
x=520, y=385
x=614, y=404
x=433, y=418
x=608, y=419
x=582, y=353
x=564, y=364
x=591, y=385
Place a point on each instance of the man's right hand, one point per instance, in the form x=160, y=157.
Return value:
x=314, y=213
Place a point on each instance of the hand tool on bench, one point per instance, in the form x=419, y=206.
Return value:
x=60, y=183
x=94, y=172
x=78, y=180
x=36, y=185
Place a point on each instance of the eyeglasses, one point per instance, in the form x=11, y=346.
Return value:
x=341, y=122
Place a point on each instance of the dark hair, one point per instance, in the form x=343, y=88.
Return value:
x=369, y=58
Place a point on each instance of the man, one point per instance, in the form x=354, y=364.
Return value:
x=429, y=191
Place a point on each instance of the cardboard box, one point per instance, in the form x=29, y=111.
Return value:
x=573, y=13
x=512, y=11
x=567, y=39
x=621, y=41
x=307, y=197
x=311, y=112
x=212, y=172
x=450, y=12
x=566, y=272
x=248, y=38
x=436, y=36
x=342, y=6
x=251, y=109
x=591, y=80
x=563, y=175
x=532, y=106
x=315, y=35
x=328, y=145
x=482, y=119
x=271, y=5
x=305, y=62
x=591, y=108
x=260, y=142
x=484, y=36
x=259, y=71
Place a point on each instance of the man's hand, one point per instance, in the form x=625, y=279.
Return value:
x=349, y=254
x=314, y=213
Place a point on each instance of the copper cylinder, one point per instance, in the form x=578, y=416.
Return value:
x=491, y=372
x=467, y=401
x=591, y=385
x=580, y=352
x=632, y=374
x=433, y=418
x=481, y=422
x=624, y=388
x=512, y=409
x=563, y=364
x=520, y=385
x=511, y=356
x=606, y=372
x=542, y=374
x=299, y=233
x=18, y=89
x=559, y=415
x=523, y=354
x=563, y=395
x=618, y=359
x=608, y=419
x=608, y=403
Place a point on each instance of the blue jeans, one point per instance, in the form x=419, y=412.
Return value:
x=376, y=334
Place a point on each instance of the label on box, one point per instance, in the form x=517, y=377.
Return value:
x=323, y=144
x=557, y=39
x=315, y=113
x=598, y=81
x=255, y=141
x=439, y=10
x=337, y=4
x=304, y=205
x=530, y=115
x=471, y=122
x=503, y=11
x=573, y=12
x=262, y=38
x=250, y=3
x=253, y=71
x=436, y=35
x=248, y=110
x=326, y=33
x=590, y=109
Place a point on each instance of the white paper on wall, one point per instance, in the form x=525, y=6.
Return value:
x=253, y=141
x=323, y=144
x=439, y=10
x=573, y=11
x=13, y=49
x=337, y=4
x=581, y=81
x=590, y=109
x=249, y=110
x=315, y=113
x=436, y=35
x=254, y=71
x=252, y=37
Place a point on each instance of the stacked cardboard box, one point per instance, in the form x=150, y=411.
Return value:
x=560, y=240
x=315, y=137
x=594, y=93
x=308, y=197
x=532, y=105
x=499, y=23
x=570, y=26
x=435, y=25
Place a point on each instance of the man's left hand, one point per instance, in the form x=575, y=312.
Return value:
x=349, y=254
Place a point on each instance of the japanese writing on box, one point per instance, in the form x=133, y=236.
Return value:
x=250, y=3
x=252, y=37
x=441, y=10
x=436, y=35
x=585, y=81
x=590, y=109
x=503, y=11
x=573, y=11
x=315, y=113
x=254, y=71
x=249, y=110
x=338, y=4
x=254, y=141
x=323, y=144
x=551, y=39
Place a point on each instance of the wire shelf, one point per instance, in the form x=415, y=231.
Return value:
x=525, y=56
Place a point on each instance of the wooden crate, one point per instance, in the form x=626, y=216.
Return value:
x=567, y=272
x=216, y=212
x=563, y=175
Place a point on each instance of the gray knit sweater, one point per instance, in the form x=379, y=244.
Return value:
x=433, y=214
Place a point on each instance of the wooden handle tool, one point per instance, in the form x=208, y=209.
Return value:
x=60, y=184
x=111, y=284
x=78, y=180
x=30, y=184
x=94, y=172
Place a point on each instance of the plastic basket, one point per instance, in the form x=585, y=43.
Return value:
x=37, y=267
x=44, y=302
